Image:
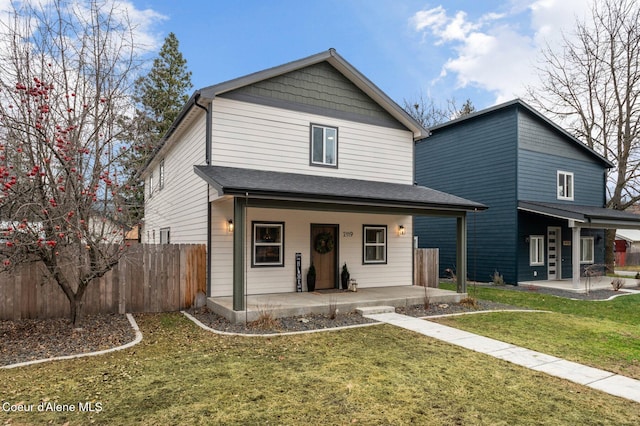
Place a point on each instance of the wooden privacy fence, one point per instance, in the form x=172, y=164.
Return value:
x=148, y=278
x=426, y=267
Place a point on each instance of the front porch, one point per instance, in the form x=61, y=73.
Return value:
x=295, y=304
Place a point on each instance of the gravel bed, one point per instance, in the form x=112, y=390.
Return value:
x=601, y=294
x=323, y=321
x=29, y=339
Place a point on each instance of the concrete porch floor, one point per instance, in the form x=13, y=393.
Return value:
x=318, y=302
x=586, y=284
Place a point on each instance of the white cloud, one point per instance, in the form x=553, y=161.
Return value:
x=497, y=51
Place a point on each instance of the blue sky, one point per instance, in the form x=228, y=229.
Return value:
x=481, y=50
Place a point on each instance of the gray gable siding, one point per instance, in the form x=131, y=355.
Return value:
x=476, y=159
x=538, y=137
x=537, y=178
x=320, y=89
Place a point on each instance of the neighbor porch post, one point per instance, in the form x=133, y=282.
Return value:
x=239, y=222
x=461, y=253
x=575, y=254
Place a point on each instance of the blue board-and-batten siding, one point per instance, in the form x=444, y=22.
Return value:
x=475, y=159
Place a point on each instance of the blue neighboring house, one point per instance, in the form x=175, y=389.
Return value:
x=544, y=188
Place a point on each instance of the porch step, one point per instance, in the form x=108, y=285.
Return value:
x=369, y=310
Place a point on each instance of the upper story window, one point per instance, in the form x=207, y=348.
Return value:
x=565, y=185
x=324, y=146
x=150, y=191
x=161, y=176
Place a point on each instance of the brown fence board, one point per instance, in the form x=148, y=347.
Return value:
x=426, y=267
x=148, y=278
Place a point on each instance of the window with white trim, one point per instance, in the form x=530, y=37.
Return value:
x=586, y=249
x=565, y=185
x=165, y=237
x=161, y=176
x=324, y=146
x=268, y=244
x=374, y=244
x=536, y=250
x=150, y=185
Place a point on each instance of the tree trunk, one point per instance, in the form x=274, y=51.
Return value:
x=609, y=256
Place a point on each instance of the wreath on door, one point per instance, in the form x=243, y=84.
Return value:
x=324, y=242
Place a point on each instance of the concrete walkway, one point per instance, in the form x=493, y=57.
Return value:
x=604, y=381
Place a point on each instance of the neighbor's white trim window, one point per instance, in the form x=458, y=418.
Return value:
x=565, y=185
x=536, y=250
x=324, y=145
x=268, y=244
x=374, y=244
x=586, y=249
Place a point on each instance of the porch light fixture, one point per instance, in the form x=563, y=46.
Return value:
x=401, y=230
x=230, y=226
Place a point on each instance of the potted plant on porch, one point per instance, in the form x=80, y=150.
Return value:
x=344, y=276
x=311, y=278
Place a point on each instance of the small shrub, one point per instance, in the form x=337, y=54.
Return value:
x=638, y=276
x=426, y=299
x=265, y=320
x=497, y=278
x=452, y=274
x=617, y=284
x=333, y=308
x=470, y=302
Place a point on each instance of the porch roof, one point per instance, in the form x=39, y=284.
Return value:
x=588, y=216
x=326, y=189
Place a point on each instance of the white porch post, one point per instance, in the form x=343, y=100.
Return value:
x=575, y=254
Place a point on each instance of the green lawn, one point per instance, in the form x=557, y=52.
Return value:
x=180, y=374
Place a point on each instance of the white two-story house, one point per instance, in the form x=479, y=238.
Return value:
x=307, y=162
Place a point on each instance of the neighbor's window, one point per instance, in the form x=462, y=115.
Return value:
x=586, y=249
x=150, y=184
x=374, y=244
x=536, y=250
x=161, y=176
x=268, y=244
x=324, y=145
x=165, y=235
x=565, y=185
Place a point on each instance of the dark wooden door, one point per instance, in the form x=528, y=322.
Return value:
x=324, y=255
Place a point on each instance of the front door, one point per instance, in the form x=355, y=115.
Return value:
x=554, y=247
x=324, y=255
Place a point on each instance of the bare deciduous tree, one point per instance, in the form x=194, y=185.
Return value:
x=64, y=89
x=425, y=111
x=592, y=86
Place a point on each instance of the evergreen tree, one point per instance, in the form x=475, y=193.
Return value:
x=160, y=96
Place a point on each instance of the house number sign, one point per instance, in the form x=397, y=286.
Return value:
x=347, y=234
x=298, y=272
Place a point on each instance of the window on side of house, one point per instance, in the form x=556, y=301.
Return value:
x=324, y=146
x=165, y=235
x=150, y=189
x=374, y=244
x=565, y=185
x=161, y=176
x=586, y=249
x=536, y=250
x=268, y=244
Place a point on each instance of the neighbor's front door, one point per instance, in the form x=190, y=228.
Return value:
x=554, y=253
x=324, y=255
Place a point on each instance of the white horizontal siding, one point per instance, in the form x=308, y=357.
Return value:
x=254, y=136
x=181, y=204
x=297, y=228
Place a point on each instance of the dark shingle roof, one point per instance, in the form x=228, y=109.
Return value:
x=294, y=186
